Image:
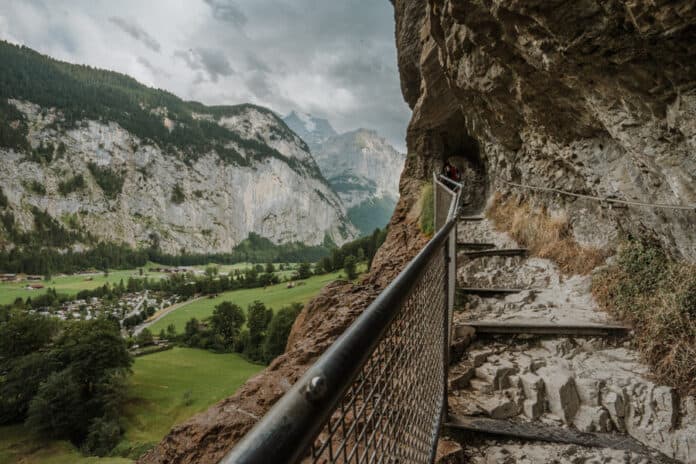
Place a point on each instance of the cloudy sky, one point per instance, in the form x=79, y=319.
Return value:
x=332, y=58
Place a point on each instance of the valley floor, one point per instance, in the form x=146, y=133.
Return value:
x=274, y=296
x=166, y=388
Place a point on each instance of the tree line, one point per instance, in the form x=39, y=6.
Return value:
x=259, y=334
x=31, y=257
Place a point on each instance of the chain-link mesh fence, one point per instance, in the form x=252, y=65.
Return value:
x=443, y=199
x=391, y=412
x=377, y=395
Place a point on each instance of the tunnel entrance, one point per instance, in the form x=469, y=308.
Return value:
x=454, y=144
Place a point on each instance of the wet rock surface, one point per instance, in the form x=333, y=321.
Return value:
x=590, y=384
x=548, y=295
x=532, y=453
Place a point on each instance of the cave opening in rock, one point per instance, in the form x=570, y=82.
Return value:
x=464, y=152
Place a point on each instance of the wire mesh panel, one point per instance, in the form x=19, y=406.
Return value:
x=377, y=395
x=443, y=199
x=391, y=412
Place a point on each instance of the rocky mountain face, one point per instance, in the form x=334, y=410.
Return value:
x=591, y=97
x=135, y=186
x=362, y=167
x=311, y=129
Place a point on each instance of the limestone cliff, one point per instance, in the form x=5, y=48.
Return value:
x=221, y=203
x=585, y=96
x=360, y=165
x=116, y=161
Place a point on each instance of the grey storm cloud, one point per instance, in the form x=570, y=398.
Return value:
x=212, y=61
x=152, y=68
x=227, y=10
x=335, y=59
x=137, y=32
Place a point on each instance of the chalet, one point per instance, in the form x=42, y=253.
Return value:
x=8, y=277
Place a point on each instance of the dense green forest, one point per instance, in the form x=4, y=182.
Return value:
x=32, y=259
x=64, y=380
x=84, y=93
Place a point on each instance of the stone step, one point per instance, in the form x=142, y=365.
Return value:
x=554, y=434
x=475, y=245
x=471, y=218
x=496, y=252
x=488, y=292
x=536, y=328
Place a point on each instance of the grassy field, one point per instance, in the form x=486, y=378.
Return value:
x=70, y=284
x=18, y=446
x=171, y=386
x=275, y=296
x=166, y=388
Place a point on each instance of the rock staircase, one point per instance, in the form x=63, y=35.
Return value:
x=539, y=374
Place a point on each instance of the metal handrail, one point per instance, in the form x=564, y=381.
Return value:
x=290, y=427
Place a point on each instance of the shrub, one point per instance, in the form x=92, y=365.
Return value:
x=109, y=180
x=71, y=185
x=104, y=434
x=36, y=187
x=544, y=235
x=427, y=217
x=178, y=195
x=657, y=296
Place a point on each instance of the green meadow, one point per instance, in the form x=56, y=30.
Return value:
x=166, y=388
x=70, y=284
x=274, y=296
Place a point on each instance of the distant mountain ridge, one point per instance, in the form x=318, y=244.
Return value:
x=361, y=166
x=311, y=129
x=111, y=159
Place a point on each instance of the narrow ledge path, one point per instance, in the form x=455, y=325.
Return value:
x=540, y=374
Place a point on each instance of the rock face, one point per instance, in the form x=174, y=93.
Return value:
x=282, y=198
x=361, y=166
x=591, y=97
x=311, y=129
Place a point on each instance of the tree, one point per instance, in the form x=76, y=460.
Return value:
x=258, y=319
x=270, y=269
x=211, y=271
x=349, y=267
x=227, y=321
x=23, y=334
x=279, y=330
x=24, y=375
x=162, y=335
x=303, y=272
x=192, y=328
x=104, y=433
x=55, y=409
x=145, y=338
x=171, y=331
x=93, y=349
